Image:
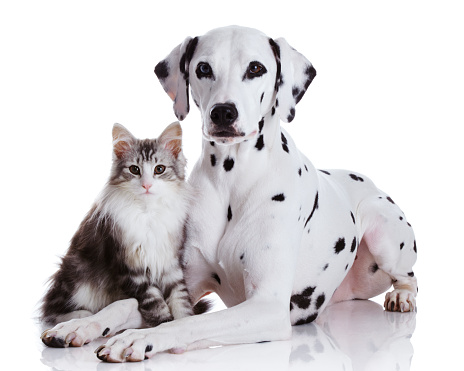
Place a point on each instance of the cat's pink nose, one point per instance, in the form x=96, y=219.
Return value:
x=146, y=186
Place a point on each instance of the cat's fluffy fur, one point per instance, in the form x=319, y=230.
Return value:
x=128, y=245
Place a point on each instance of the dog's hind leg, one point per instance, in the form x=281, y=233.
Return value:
x=120, y=315
x=385, y=256
x=391, y=242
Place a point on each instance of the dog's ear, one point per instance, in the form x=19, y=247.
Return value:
x=294, y=74
x=173, y=73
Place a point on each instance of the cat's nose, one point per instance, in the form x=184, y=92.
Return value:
x=146, y=186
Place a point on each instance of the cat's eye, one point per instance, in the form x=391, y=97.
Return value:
x=159, y=169
x=134, y=169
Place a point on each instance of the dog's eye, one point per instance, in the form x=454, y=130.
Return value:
x=255, y=69
x=159, y=169
x=204, y=70
x=134, y=169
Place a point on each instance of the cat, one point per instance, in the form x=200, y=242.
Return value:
x=128, y=245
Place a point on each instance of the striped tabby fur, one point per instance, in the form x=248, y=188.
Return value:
x=128, y=245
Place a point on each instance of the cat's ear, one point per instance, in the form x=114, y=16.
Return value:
x=171, y=138
x=122, y=140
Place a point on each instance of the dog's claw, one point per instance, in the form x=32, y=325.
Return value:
x=102, y=353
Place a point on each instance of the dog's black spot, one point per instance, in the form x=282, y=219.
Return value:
x=339, y=245
x=346, y=267
x=308, y=291
x=212, y=143
x=187, y=57
x=411, y=274
x=213, y=160
x=299, y=171
x=324, y=171
x=261, y=125
x=306, y=320
x=301, y=301
x=352, y=217
x=216, y=277
x=299, y=96
x=260, y=143
x=374, y=268
x=291, y=115
x=276, y=50
x=229, y=214
x=229, y=164
x=353, y=245
x=357, y=178
x=401, y=245
x=310, y=71
x=389, y=199
x=401, y=218
x=261, y=99
x=273, y=111
x=320, y=301
x=415, y=247
x=284, y=139
x=242, y=256
x=148, y=348
x=280, y=197
x=162, y=70
x=315, y=206
x=107, y=330
x=409, y=224
x=295, y=91
x=325, y=267
x=284, y=142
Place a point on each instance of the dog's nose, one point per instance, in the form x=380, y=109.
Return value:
x=224, y=114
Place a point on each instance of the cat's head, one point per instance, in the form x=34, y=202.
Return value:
x=147, y=166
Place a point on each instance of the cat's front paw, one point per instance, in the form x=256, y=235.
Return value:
x=74, y=333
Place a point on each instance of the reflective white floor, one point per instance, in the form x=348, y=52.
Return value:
x=357, y=335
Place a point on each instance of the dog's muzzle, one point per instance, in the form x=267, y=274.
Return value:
x=223, y=116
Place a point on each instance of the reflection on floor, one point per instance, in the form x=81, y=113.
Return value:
x=355, y=335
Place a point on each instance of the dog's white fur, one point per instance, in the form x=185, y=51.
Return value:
x=267, y=230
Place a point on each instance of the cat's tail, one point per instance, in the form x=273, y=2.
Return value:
x=203, y=306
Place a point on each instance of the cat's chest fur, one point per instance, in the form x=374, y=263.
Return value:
x=151, y=228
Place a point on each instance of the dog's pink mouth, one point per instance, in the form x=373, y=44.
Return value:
x=227, y=134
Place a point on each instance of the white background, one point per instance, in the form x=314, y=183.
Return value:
x=387, y=102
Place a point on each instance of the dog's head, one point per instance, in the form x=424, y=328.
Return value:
x=237, y=75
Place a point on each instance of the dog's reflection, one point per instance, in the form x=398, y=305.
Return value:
x=354, y=335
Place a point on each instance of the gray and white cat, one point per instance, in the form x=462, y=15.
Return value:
x=129, y=243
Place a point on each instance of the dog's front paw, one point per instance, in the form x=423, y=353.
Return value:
x=74, y=333
x=400, y=301
x=131, y=346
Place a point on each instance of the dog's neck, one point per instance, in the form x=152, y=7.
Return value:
x=230, y=161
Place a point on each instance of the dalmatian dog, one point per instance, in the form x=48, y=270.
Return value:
x=275, y=238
